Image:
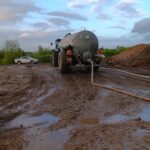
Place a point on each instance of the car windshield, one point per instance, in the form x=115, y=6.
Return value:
x=26, y=57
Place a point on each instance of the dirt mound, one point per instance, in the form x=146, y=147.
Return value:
x=137, y=56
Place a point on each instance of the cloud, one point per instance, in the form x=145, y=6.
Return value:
x=76, y=5
x=99, y=8
x=81, y=3
x=41, y=25
x=118, y=27
x=68, y=15
x=31, y=39
x=104, y=16
x=13, y=11
x=128, y=8
x=113, y=42
x=59, y=21
x=146, y=38
x=142, y=26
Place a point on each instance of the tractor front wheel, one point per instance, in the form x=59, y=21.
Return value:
x=54, y=59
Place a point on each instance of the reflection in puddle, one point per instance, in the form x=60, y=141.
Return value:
x=27, y=120
x=116, y=118
x=145, y=115
x=50, y=92
x=53, y=140
x=141, y=132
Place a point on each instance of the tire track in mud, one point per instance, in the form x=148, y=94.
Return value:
x=76, y=96
x=67, y=103
x=73, y=96
x=110, y=136
x=119, y=135
x=76, y=92
x=73, y=99
x=20, y=102
x=24, y=94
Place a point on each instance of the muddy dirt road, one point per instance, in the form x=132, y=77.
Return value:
x=42, y=109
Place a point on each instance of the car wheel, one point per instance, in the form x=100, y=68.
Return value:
x=19, y=62
x=31, y=62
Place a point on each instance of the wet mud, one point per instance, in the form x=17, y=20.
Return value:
x=43, y=109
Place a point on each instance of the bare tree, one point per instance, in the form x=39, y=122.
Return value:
x=12, y=45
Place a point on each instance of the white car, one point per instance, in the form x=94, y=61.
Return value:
x=26, y=60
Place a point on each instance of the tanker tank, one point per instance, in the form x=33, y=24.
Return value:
x=83, y=41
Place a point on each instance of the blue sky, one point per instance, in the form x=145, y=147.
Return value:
x=39, y=22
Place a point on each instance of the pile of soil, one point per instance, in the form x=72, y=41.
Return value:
x=137, y=56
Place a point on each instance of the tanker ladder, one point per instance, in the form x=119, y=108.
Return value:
x=113, y=89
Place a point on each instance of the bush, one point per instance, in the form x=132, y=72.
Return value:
x=7, y=57
x=1, y=56
x=42, y=54
x=111, y=52
x=44, y=59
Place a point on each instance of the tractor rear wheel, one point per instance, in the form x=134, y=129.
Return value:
x=96, y=68
x=62, y=64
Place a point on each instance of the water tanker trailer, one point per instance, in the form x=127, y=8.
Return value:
x=76, y=50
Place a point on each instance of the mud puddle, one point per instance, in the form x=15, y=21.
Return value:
x=143, y=115
x=37, y=101
x=53, y=140
x=37, y=134
x=141, y=132
x=35, y=126
x=26, y=120
x=50, y=92
x=116, y=118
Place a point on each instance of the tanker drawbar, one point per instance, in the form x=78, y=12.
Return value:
x=76, y=50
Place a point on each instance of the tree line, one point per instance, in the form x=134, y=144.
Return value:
x=13, y=50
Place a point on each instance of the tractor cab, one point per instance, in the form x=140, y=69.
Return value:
x=56, y=43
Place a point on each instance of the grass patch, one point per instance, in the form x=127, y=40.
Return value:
x=112, y=52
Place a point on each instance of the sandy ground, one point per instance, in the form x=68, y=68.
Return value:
x=43, y=109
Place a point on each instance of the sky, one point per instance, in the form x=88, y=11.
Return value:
x=40, y=22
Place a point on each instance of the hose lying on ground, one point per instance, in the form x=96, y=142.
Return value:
x=113, y=89
x=133, y=74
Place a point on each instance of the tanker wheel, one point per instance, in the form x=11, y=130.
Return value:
x=96, y=68
x=62, y=65
x=54, y=59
